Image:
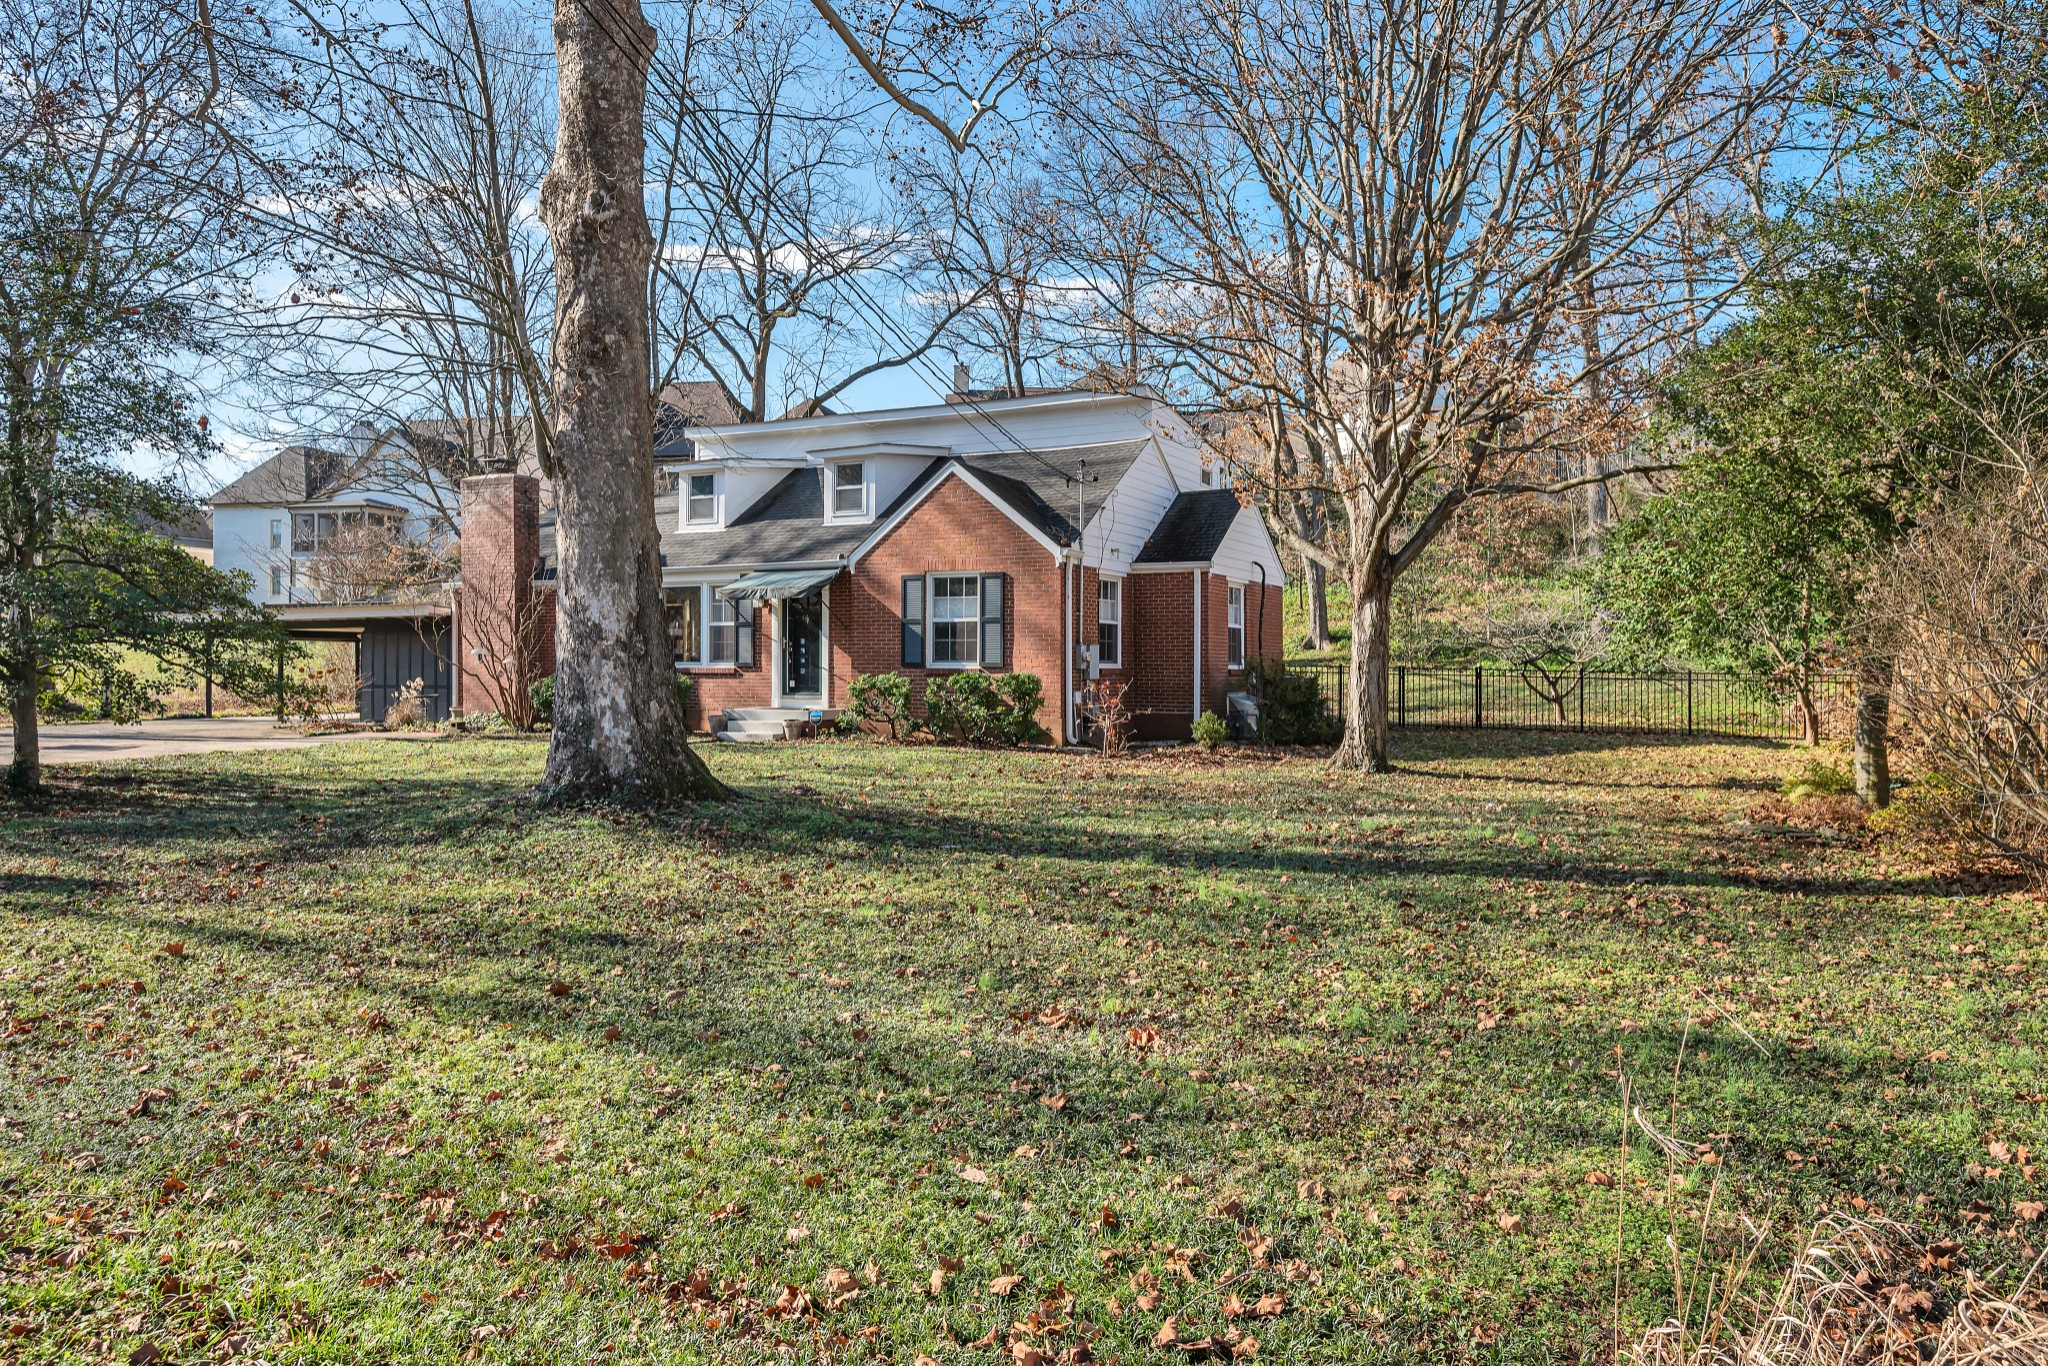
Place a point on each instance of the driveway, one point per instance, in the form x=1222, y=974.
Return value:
x=90, y=743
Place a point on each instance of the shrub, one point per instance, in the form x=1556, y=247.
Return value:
x=542, y=691
x=882, y=701
x=985, y=711
x=1818, y=778
x=1103, y=705
x=1210, y=730
x=406, y=707
x=1292, y=709
x=685, y=685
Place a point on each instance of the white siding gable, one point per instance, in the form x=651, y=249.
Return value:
x=1246, y=547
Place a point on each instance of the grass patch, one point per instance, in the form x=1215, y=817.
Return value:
x=349, y=1054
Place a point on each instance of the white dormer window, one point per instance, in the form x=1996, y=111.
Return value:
x=700, y=501
x=849, y=489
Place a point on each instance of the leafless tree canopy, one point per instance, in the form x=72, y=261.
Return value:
x=422, y=279
x=1434, y=248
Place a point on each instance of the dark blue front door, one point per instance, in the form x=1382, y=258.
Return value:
x=803, y=646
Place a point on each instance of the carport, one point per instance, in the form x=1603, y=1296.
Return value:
x=394, y=644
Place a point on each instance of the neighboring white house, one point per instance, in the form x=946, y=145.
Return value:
x=273, y=521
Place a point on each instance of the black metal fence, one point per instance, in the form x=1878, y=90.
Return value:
x=1674, y=703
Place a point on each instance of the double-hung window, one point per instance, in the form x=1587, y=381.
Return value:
x=1109, y=623
x=277, y=533
x=1236, y=626
x=700, y=503
x=276, y=580
x=725, y=629
x=953, y=621
x=956, y=620
x=849, y=489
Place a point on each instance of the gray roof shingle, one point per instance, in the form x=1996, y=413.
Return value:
x=296, y=474
x=1192, y=529
x=787, y=525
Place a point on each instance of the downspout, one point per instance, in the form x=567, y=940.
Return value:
x=1196, y=714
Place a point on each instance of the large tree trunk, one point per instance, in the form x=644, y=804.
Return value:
x=1809, y=713
x=1315, y=587
x=25, y=772
x=619, y=725
x=1365, y=705
x=1873, y=724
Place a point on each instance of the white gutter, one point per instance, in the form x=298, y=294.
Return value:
x=1198, y=647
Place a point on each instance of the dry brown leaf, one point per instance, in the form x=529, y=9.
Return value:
x=1005, y=1285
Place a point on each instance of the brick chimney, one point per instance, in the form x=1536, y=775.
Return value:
x=505, y=627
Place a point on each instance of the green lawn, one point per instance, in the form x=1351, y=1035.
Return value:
x=1317, y=1060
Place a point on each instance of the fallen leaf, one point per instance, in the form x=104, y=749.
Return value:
x=1510, y=1223
x=975, y=1175
x=558, y=988
x=1005, y=1285
x=1168, y=1334
x=2030, y=1210
x=838, y=1280
x=1600, y=1179
x=1269, y=1306
x=1054, y=1102
x=1312, y=1190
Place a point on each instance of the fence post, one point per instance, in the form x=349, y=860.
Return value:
x=1478, y=696
x=1688, y=701
x=1401, y=694
x=1584, y=683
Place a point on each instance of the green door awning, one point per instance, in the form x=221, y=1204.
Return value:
x=777, y=584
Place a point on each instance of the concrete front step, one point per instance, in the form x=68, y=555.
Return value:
x=757, y=725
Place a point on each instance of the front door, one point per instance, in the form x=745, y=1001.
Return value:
x=803, y=646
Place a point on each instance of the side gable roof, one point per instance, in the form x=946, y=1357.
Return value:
x=296, y=474
x=1192, y=529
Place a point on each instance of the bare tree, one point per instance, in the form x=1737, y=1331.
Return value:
x=1550, y=642
x=423, y=280
x=782, y=270
x=1389, y=223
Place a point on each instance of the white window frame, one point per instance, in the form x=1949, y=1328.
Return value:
x=932, y=619
x=277, y=525
x=1234, y=624
x=1104, y=600
x=833, y=488
x=710, y=603
x=715, y=603
x=689, y=495
x=276, y=580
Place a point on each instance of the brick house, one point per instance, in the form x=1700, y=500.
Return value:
x=1070, y=535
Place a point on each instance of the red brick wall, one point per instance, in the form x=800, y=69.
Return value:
x=1159, y=610
x=716, y=688
x=498, y=615
x=955, y=528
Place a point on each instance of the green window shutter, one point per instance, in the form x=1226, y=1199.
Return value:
x=913, y=622
x=991, y=621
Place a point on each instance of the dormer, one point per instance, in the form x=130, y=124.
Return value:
x=859, y=481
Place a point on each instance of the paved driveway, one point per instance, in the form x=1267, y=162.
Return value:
x=90, y=743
